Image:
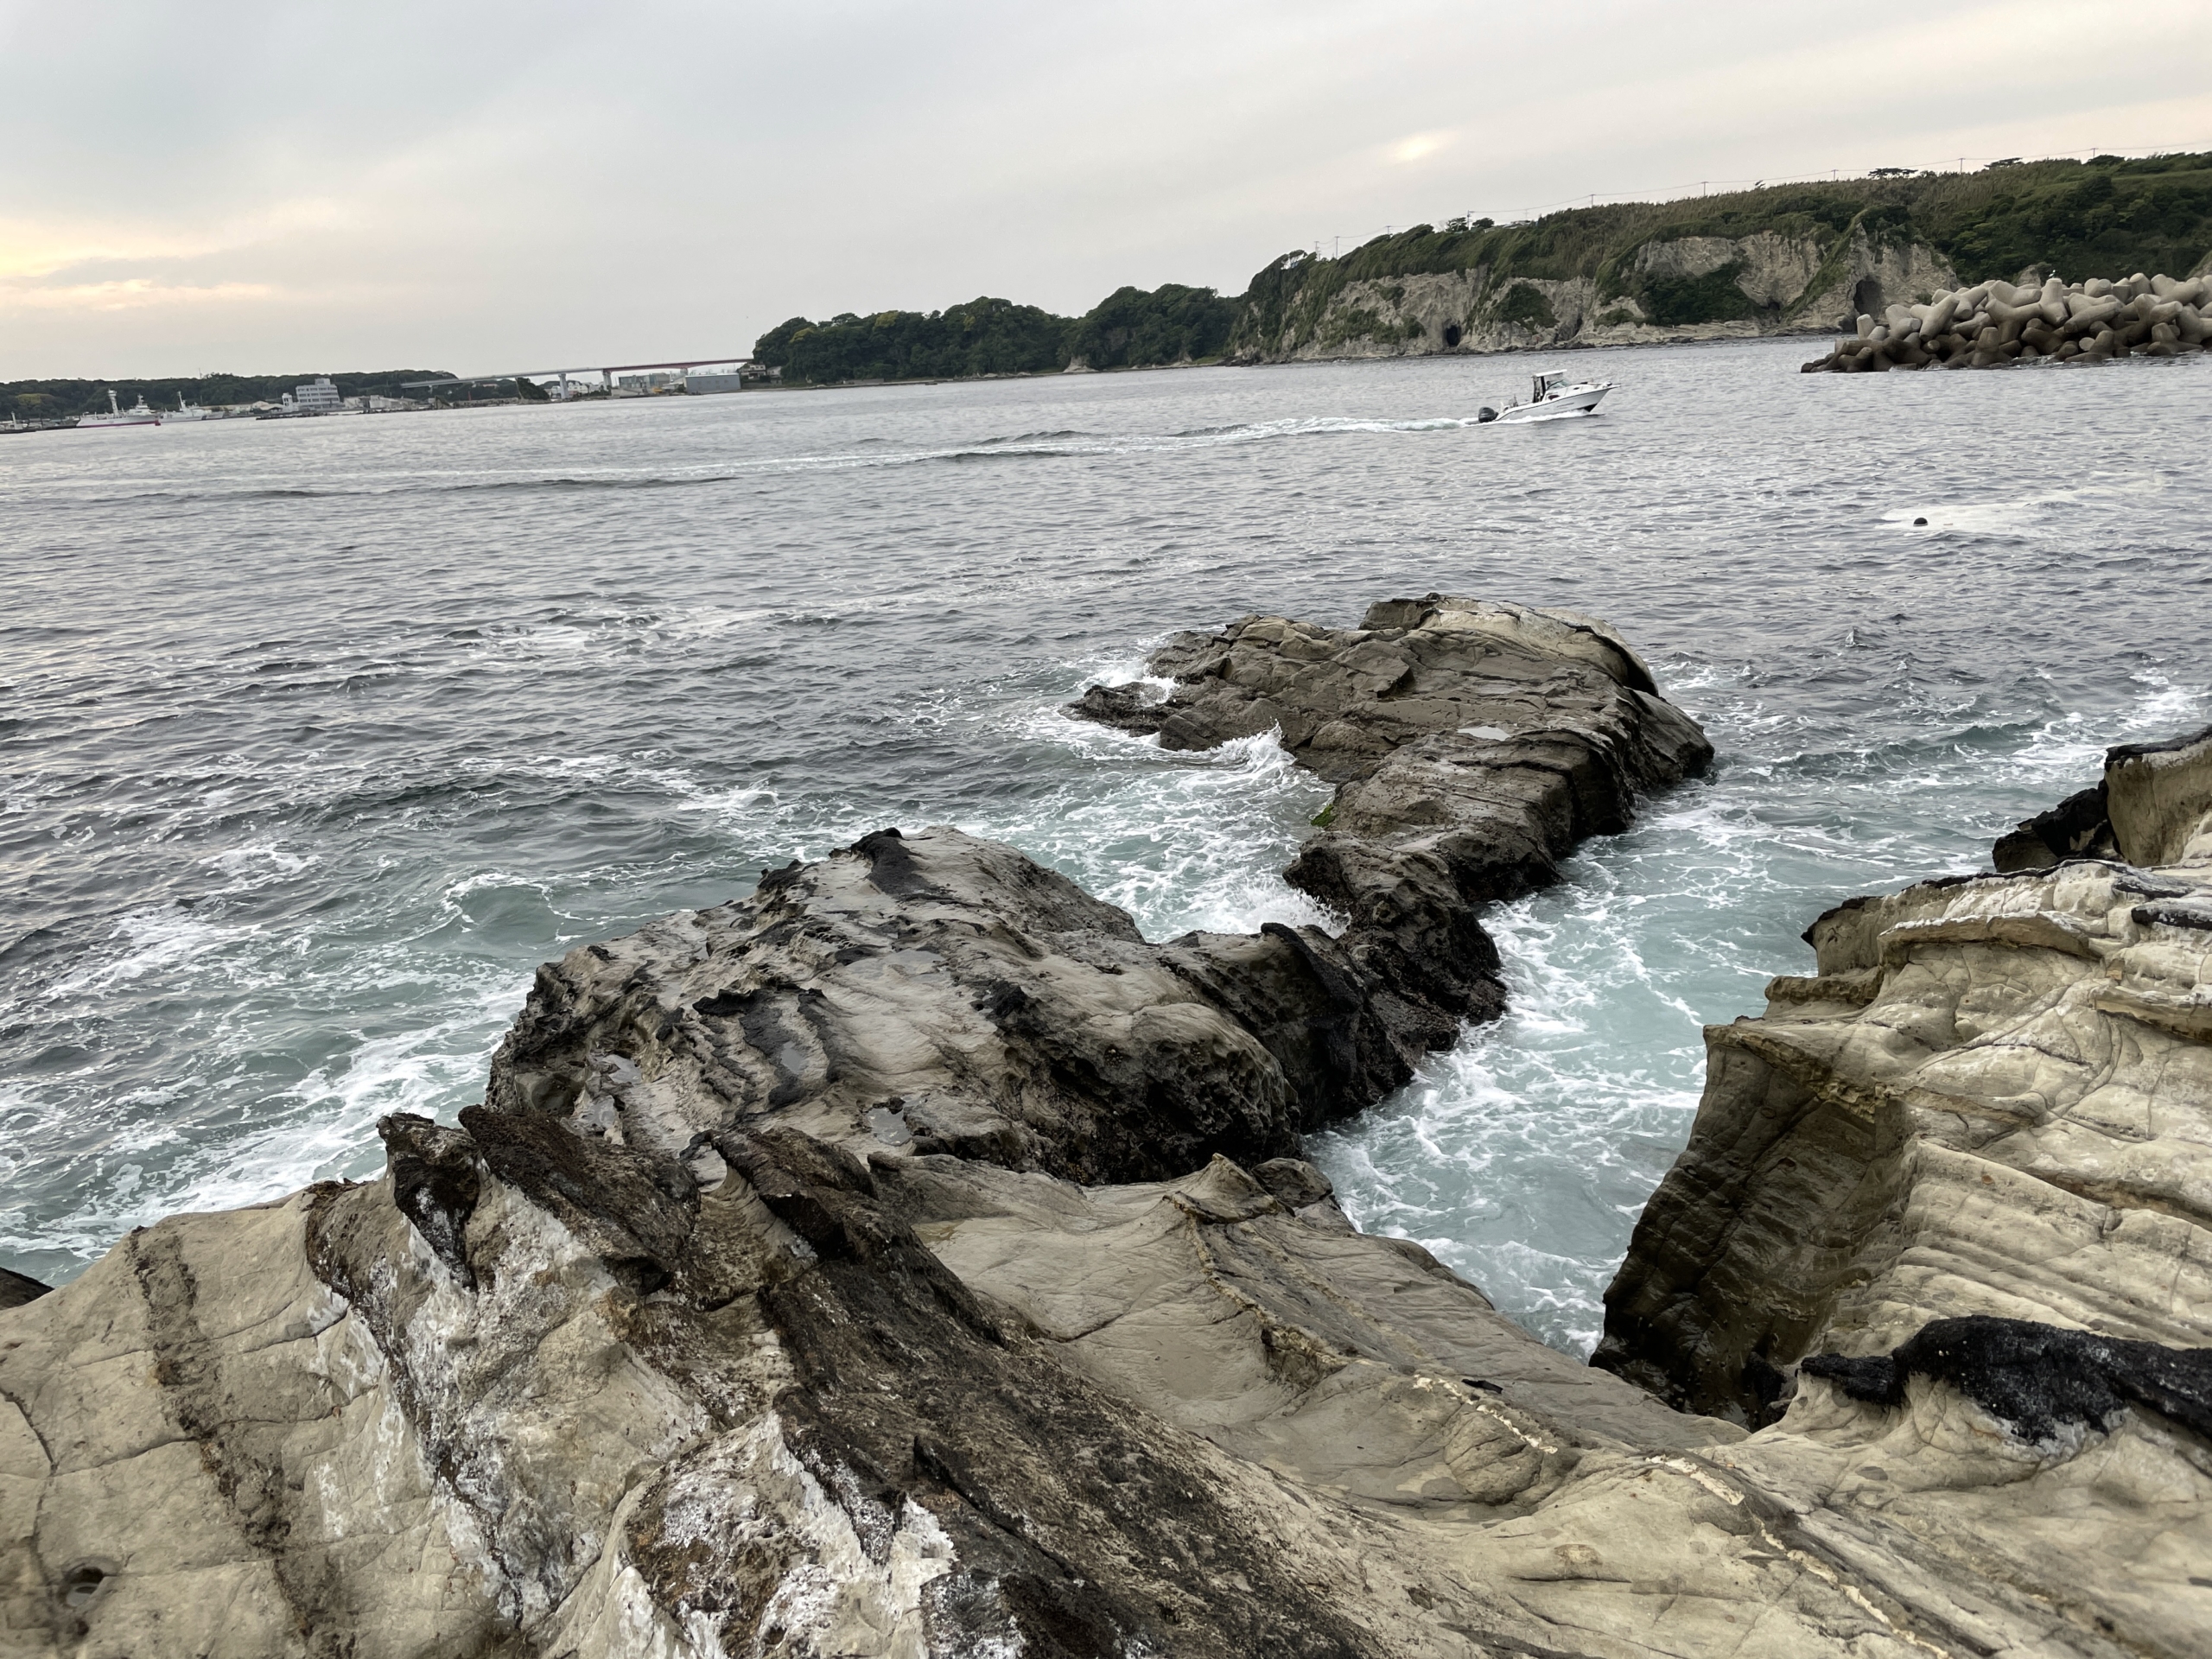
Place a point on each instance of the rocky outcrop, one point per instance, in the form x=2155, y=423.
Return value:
x=817, y=1278
x=1472, y=746
x=1993, y=1097
x=1995, y=325
x=1664, y=288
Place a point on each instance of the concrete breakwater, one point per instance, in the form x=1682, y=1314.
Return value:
x=1996, y=324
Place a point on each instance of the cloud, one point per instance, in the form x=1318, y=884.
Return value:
x=271, y=185
x=1420, y=147
x=135, y=293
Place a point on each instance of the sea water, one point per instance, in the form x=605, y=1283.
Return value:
x=319, y=736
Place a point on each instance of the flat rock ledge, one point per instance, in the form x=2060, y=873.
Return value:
x=910, y=1260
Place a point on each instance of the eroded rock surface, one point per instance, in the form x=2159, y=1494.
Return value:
x=912, y=1259
x=1472, y=745
x=937, y=993
x=1973, y=1155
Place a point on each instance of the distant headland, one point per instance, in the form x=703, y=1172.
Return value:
x=1796, y=259
x=1800, y=259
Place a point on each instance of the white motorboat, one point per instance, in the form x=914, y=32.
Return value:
x=136, y=415
x=1552, y=395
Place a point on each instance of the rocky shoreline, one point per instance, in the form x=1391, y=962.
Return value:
x=911, y=1259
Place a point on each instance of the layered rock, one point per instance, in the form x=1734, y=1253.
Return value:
x=1995, y=325
x=905, y=1260
x=1472, y=746
x=1801, y=279
x=1994, y=1096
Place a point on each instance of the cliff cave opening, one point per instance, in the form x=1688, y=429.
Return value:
x=1451, y=334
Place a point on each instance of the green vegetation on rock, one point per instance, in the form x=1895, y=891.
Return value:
x=2097, y=220
x=985, y=336
x=2106, y=217
x=1525, y=303
x=1674, y=301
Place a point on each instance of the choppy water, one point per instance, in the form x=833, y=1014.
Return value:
x=318, y=736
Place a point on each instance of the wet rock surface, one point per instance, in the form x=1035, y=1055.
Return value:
x=912, y=1260
x=1472, y=745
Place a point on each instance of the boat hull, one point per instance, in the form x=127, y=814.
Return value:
x=1552, y=408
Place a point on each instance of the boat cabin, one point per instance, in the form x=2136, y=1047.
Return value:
x=1546, y=385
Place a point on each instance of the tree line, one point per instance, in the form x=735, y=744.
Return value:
x=1132, y=328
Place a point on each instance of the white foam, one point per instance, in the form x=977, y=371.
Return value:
x=145, y=941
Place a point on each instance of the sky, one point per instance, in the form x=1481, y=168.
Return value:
x=488, y=185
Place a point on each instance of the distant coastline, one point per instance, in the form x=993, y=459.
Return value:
x=1799, y=259
x=1786, y=259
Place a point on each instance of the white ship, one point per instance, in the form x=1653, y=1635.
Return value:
x=136, y=415
x=1553, y=395
x=183, y=411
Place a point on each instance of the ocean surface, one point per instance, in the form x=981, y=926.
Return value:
x=316, y=737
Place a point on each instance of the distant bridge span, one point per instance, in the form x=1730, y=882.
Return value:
x=605, y=372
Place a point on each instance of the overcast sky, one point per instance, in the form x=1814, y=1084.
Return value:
x=478, y=184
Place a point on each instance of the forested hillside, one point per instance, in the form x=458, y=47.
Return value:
x=1131, y=329
x=1784, y=257
x=1787, y=258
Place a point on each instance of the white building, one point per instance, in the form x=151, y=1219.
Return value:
x=318, y=396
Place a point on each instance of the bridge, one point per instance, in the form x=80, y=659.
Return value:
x=605, y=372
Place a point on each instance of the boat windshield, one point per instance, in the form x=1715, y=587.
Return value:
x=1549, y=383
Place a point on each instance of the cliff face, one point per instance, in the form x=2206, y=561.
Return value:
x=1993, y=1098
x=1796, y=259
x=1665, y=288
x=906, y=1260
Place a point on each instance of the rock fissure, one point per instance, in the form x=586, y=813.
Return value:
x=912, y=1259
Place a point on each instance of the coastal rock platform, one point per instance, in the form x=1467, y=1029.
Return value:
x=911, y=1259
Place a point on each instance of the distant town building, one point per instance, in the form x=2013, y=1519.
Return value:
x=714, y=380
x=318, y=396
x=639, y=384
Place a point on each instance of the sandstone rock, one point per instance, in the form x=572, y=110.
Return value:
x=912, y=1259
x=935, y=993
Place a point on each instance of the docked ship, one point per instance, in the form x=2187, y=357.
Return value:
x=183, y=411
x=136, y=415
